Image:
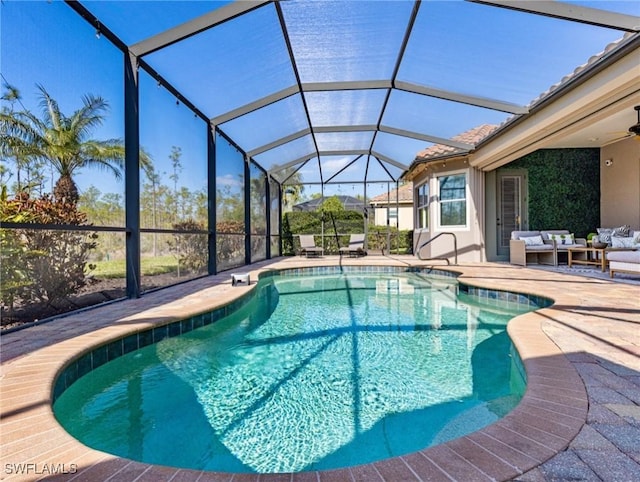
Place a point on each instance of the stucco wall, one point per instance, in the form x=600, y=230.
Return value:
x=620, y=184
x=470, y=238
x=405, y=216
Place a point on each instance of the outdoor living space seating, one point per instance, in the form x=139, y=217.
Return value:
x=308, y=246
x=623, y=262
x=541, y=247
x=563, y=240
x=356, y=246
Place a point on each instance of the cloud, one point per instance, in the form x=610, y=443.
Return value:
x=335, y=164
x=229, y=180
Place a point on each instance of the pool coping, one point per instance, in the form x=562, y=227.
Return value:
x=550, y=415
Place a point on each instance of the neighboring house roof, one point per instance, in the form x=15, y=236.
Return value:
x=404, y=194
x=350, y=203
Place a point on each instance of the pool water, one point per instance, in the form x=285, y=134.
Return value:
x=316, y=372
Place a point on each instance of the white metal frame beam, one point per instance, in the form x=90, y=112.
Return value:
x=346, y=85
x=255, y=105
x=387, y=159
x=572, y=12
x=425, y=137
x=361, y=128
x=195, y=26
x=492, y=104
x=279, y=142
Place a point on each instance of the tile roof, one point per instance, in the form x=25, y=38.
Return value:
x=477, y=134
x=472, y=136
x=581, y=68
x=404, y=194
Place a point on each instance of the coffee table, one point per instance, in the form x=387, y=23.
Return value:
x=595, y=256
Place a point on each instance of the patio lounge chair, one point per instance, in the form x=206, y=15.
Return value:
x=308, y=246
x=356, y=246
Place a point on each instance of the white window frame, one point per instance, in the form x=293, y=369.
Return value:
x=462, y=172
x=426, y=207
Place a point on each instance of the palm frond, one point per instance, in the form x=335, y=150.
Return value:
x=19, y=134
x=50, y=109
x=146, y=163
x=106, y=155
x=89, y=116
x=11, y=93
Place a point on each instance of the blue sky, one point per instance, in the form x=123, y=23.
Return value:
x=48, y=43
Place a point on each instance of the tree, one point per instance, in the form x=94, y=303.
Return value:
x=176, y=166
x=292, y=187
x=154, y=179
x=332, y=205
x=64, y=142
x=10, y=96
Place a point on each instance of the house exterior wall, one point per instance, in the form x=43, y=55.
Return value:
x=564, y=188
x=620, y=184
x=470, y=236
x=403, y=221
x=563, y=193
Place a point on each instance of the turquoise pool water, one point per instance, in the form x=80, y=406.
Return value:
x=316, y=372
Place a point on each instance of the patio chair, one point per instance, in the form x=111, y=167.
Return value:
x=308, y=246
x=356, y=246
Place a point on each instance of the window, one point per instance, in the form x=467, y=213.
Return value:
x=453, y=200
x=393, y=216
x=423, y=205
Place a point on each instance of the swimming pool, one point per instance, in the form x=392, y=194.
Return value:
x=404, y=362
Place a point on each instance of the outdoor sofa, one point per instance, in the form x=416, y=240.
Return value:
x=625, y=256
x=542, y=247
x=624, y=262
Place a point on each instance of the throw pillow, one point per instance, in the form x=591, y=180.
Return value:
x=636, y=237
x=622, y=231
x=532, y=240
x=604, y=235
x=622, y=242
x=562, y=238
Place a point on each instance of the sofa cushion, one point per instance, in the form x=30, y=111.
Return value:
x=605, y=234
x=546, y=234
x=532, y=240
x=524, y=234
x=626, y=242
x=540, y=247
x=622, y=230
x=624, y=256
x=567, y=239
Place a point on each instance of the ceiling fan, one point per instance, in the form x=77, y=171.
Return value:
x=633, y=131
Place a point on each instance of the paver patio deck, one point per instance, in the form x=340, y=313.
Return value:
x=579, y=418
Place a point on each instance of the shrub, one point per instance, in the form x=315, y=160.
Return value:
x=230, y=243
x=54, y=261
x=192, y=249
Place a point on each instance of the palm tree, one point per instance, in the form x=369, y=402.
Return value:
x=65, y=142
x=291, y=184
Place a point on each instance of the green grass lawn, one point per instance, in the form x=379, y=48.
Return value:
x=148, y=266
